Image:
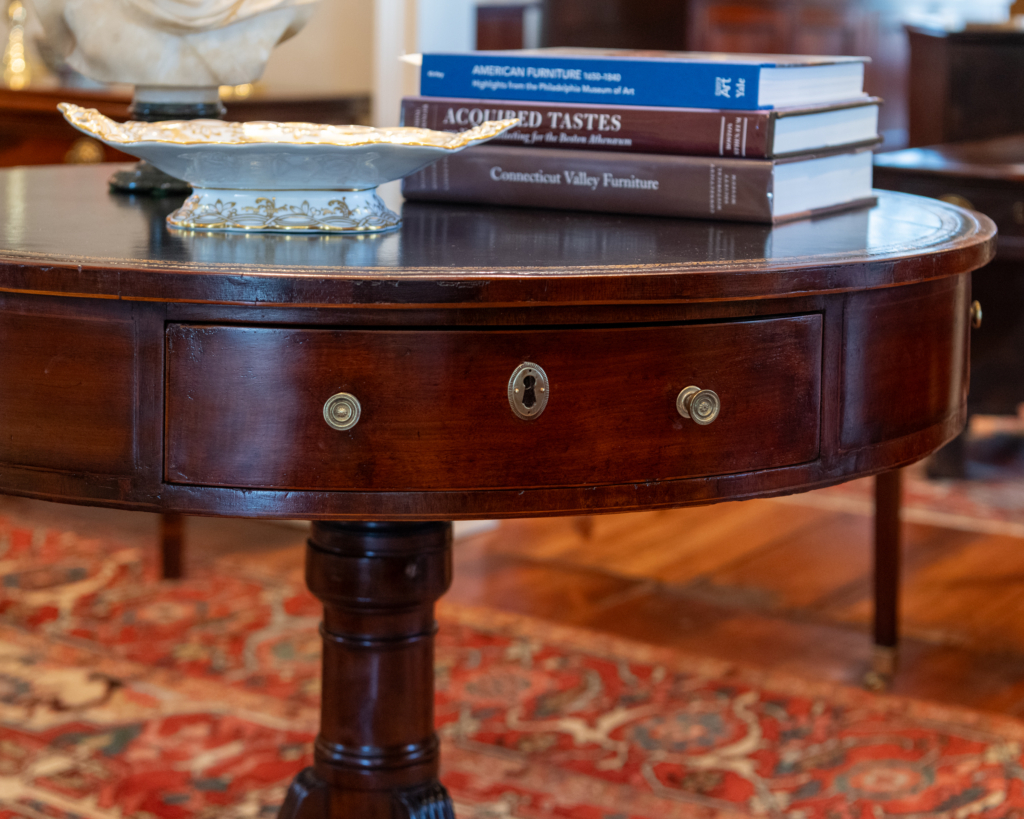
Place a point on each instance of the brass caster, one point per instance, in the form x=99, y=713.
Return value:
x=883, y=669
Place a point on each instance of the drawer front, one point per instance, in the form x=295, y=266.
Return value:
x=245, y=405
x=68, y=387
x=891, y=390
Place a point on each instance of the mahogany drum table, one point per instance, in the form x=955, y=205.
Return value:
x=478, y=363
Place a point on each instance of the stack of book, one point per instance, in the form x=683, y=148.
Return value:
x=721, y=136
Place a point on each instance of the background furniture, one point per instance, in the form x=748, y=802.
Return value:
x=502, y=24
x=33, y=131
x=871, y=28
x=613, y=24
x=959, y=82
x=204, y=371
x=965, y=83
x=987, y=175
x=855, y=27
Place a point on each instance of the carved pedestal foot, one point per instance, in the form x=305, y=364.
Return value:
x=308, y=798
x=376, y=756
x=429, y=802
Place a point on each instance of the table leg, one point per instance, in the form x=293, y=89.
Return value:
x=888, y=500
x=172, y=545
x=376, y=756
x=950, y=461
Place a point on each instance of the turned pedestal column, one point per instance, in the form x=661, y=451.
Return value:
x=376, y=756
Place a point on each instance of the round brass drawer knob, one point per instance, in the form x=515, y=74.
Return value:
x=341, y=411
x=975, y=314
x=700, y=406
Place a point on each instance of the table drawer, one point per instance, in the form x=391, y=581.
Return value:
x=60, y=408
x=245, y=405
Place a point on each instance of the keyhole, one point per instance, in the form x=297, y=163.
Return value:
x=529, y=397
x=528, y=391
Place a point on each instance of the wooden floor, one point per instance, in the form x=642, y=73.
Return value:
x=772, y=582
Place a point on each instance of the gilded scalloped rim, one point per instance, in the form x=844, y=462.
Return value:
x=218, y=132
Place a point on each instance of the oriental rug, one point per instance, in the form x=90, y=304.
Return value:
x=125, y=696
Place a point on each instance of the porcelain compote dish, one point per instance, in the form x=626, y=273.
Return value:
x=280, y=176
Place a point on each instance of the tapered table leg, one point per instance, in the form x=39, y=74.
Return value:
x=376, y=756
x=888, y=500
x=172, y=545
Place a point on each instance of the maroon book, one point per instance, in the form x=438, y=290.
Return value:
x=753, y=190
x=644, y=129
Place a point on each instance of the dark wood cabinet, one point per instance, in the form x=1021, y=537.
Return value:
x=615, y=24
x=33, y=132
x=985, y=175
x=965, y=84
x=870, y=28
x=849, y=27
x=778, y=27
x=54, y=346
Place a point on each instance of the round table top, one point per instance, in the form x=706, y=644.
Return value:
x=63, y=232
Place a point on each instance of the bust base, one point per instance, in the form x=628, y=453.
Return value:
x=145, y=178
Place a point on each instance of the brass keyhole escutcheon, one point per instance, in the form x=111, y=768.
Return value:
x=528, y=391
x=700, y=406
x=342, y=410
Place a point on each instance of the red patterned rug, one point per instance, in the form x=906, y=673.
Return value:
x=124, y=696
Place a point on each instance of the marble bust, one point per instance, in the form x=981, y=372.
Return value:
x=165, y=47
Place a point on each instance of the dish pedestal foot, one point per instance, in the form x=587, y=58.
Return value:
x=376, y=756
x=287, y=211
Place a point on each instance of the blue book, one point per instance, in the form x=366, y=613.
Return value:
x=665, y=78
